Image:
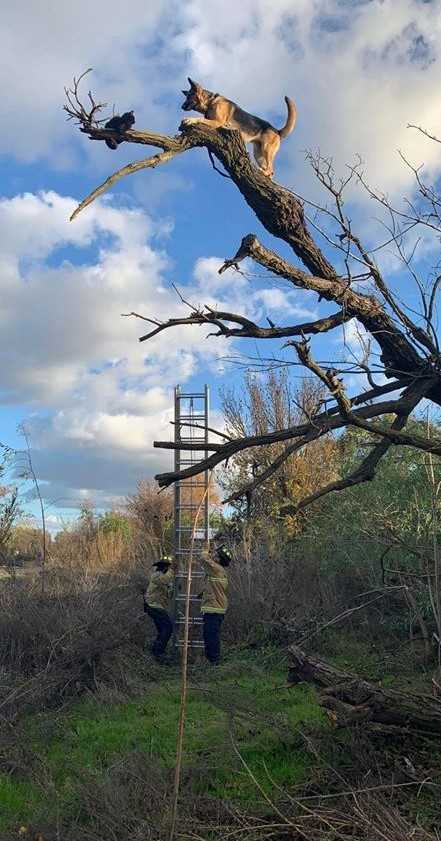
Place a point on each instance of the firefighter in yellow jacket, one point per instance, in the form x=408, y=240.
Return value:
x=214, y=598
x=157, y=604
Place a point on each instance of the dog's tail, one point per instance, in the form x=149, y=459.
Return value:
x=291, y=120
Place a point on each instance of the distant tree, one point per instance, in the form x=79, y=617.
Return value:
x=152, y=514
x=9, y=504
x=25, y=463
x=265, y=403
x=26, y=539
x=116, y=522
x=87, y=521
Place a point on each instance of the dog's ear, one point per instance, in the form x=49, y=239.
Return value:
x=193, y=85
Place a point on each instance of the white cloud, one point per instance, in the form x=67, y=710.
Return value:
x=276, y=300
x=355, y=338
x=96, y=394
x=246, y=293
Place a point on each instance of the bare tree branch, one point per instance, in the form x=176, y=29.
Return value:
x=76, y=110
x=208, y=428
x=128, y=169
x=423, y=131
x=248, y=329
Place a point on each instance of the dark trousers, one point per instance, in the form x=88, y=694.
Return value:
x=164, y=627
x=212, y=631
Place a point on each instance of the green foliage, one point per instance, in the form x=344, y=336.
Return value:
x=113, y=522
x=353, y=527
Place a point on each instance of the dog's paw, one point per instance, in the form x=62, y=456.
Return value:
x=188, y=121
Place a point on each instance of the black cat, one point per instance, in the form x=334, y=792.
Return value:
x=120, y=124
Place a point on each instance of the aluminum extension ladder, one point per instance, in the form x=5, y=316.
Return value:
x=191, y=427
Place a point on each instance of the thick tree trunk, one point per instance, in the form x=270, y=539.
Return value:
x=353, y=700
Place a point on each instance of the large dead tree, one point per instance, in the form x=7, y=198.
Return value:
x=401, y=346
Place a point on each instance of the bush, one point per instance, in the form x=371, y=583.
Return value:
x=62, y=642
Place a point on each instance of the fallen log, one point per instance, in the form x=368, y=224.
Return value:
x=351, y=700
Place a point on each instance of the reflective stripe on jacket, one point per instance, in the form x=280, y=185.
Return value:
x=160, y=589
x=214, y=597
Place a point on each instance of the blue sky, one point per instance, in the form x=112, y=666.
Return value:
x=92, y=397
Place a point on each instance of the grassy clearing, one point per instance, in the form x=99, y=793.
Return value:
x=243, y=703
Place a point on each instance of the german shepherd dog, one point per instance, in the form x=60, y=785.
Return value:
x=222, y=113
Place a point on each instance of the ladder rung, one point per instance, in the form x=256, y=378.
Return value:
x=184, y=598
x=190, y=529
x=197, y=568
x=196, y=551
x=189, y=394
x=192, y=461
x=195, y=458
x=194, y=620
x=191, y=622
x=183, y=483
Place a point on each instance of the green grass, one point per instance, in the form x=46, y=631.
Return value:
x=92, y=735
x=18, y=800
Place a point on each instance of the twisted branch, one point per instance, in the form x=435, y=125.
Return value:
x=248, y=329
